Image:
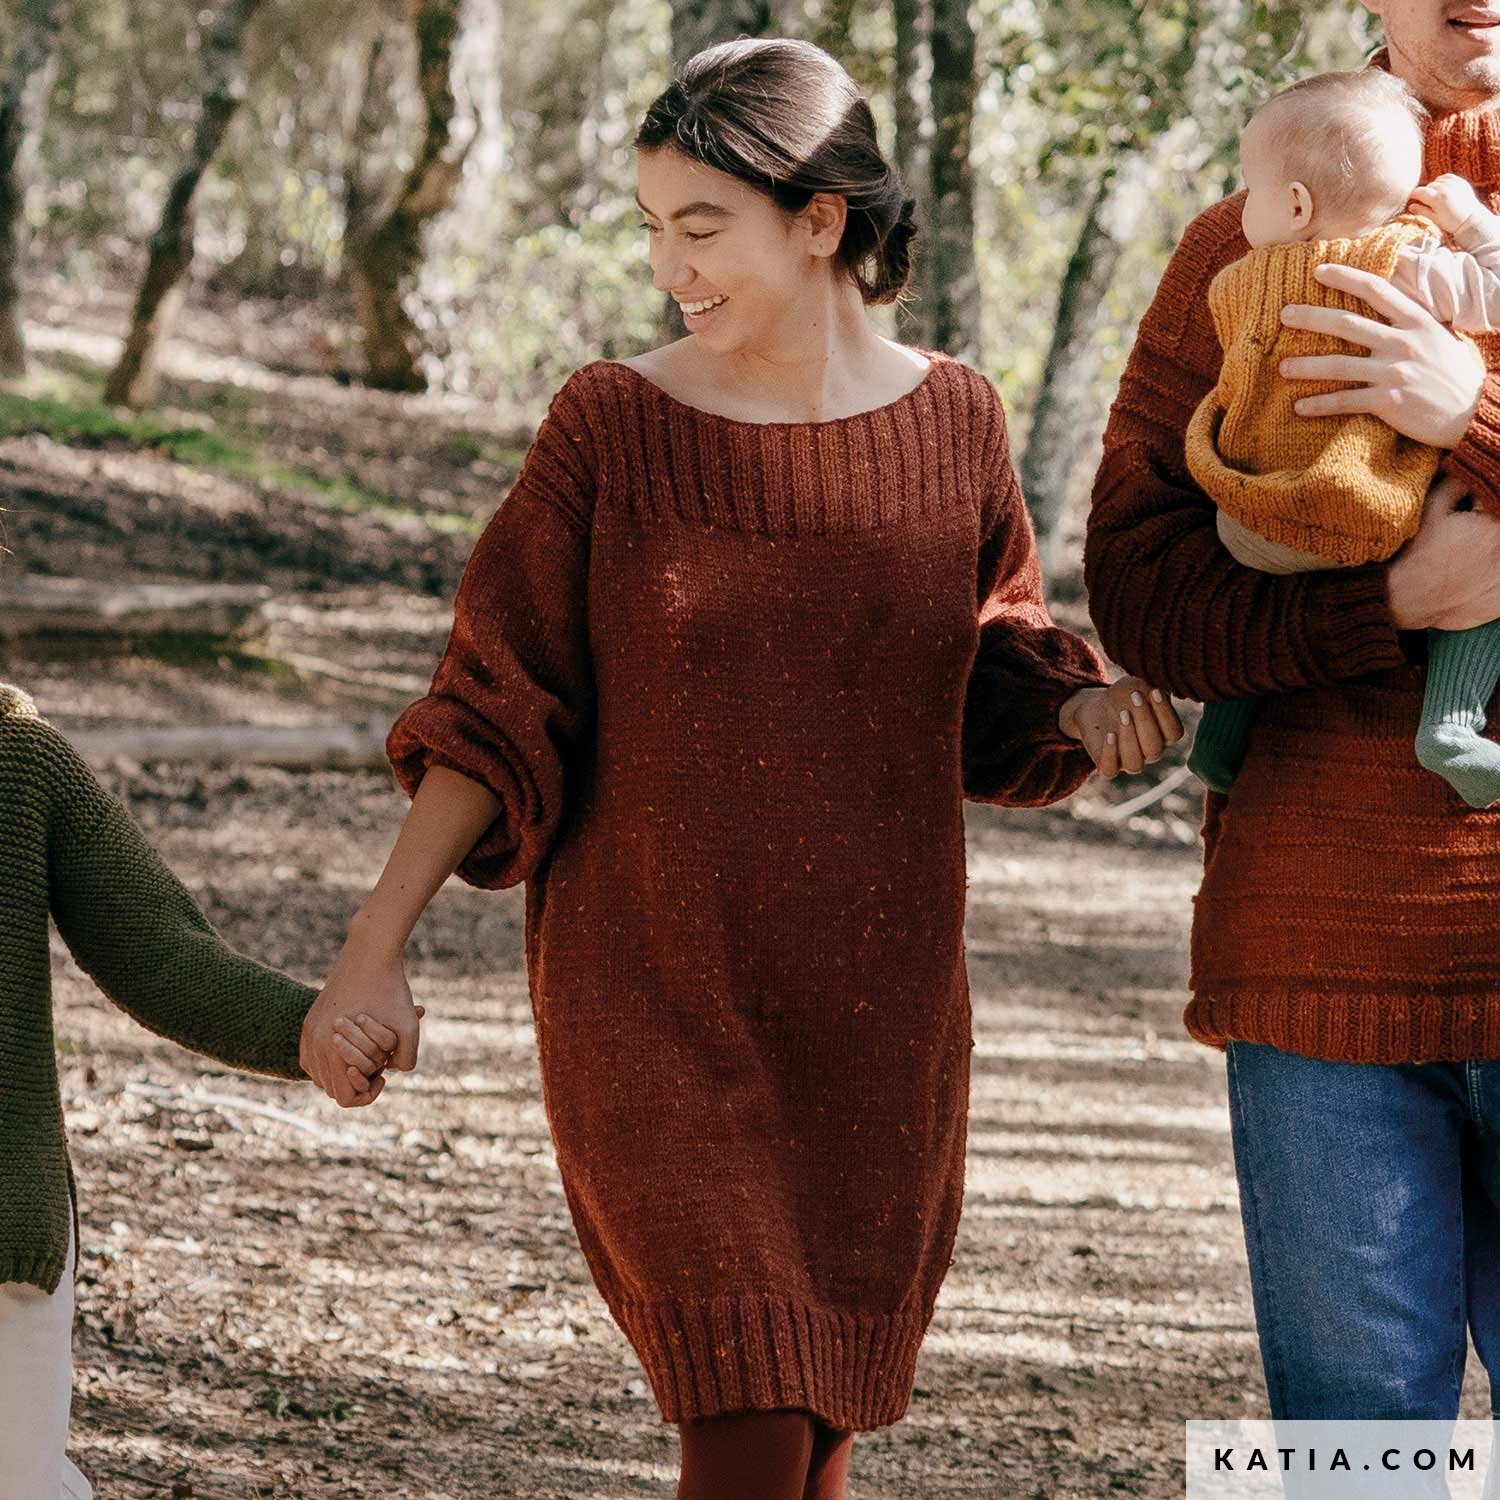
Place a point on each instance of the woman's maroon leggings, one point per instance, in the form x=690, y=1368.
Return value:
x=763, y=1455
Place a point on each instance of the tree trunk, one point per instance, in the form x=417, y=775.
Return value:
x=952, y=282
x=1058, y=426
x=912, y=82
x=23, y=103
x=385, y=257
x=134, y=379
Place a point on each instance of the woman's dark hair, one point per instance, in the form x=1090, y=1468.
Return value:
x=785, y=118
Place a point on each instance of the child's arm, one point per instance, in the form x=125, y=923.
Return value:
x=1460, y=287
x=135, y=930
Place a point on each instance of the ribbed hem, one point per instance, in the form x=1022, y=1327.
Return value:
x=44, y=1271
x=725, y=1354
x=1351, y=1027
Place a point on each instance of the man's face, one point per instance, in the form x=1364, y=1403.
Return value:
x=1447, y=50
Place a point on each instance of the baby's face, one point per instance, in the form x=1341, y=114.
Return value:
x=1269, y=216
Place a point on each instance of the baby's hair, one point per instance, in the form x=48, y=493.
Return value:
x=1333, y=132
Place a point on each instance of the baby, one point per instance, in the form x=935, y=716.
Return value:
x=1330, y=165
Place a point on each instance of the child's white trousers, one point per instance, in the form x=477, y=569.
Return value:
x=36, y=1391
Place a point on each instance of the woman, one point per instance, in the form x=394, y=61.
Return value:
x=760, y=608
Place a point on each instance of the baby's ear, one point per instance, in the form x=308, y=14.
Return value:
x=1301, y=203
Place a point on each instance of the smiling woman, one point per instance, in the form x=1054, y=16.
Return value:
x=762, y=607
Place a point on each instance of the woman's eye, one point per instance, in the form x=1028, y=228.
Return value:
x=708, y=236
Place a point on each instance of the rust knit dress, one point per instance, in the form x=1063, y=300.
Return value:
x=730, y=681
x=1350, y=905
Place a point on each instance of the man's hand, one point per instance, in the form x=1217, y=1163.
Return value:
x=1447, y=577
x=364, y=983
x=1419, y=376
x=1123, y=726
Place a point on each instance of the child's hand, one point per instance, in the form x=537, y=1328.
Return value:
x=1123, y=727
x=1450, y=199
x=364, y=982
x=369, y=1048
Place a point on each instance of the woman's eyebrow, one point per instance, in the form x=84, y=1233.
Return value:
x=703, y=208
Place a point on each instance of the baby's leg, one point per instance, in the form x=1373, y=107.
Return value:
x=36, y=1390
x=1463, y=667
x=1221, y=740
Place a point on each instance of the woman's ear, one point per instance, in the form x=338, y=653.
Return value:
x=825, y=217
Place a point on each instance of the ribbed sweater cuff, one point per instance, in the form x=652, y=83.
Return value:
x=757, y=1353
x=1477, y=456
x=44, y=1271
x=1349, y=626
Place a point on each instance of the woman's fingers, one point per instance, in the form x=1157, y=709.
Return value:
x=1355, y=367
x=1167, y=719
x=1384, y=296
x=1108, y=759
x=1131, y=760
x=1147, y=730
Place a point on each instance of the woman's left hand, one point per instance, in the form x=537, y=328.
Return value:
x=1123, y=726
x=1418, y=377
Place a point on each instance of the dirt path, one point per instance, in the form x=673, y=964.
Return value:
x=392, y=1302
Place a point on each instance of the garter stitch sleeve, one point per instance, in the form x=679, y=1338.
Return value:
x=135, y=930
x=1169, y=601
x=513, y=694
x=1026, y=667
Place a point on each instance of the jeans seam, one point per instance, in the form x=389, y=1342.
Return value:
x=1476, y=1101
x=1253, y=1244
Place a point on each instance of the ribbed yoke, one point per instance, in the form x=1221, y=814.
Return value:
x=1348, y=902
x=730, y=682
x=67, y=847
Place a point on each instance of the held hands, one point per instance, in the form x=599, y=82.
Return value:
x=361, y=1024
x=1418, y=377
x=1123, y=726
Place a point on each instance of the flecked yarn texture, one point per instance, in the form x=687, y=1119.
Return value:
x=1346, y=490
x=68, y=847
x=730, y=682
x=1348, y=902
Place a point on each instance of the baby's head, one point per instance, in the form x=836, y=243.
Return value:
x=1332, y=157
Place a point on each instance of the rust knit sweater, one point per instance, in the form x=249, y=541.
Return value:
x=1349, y=900
x=730, y=681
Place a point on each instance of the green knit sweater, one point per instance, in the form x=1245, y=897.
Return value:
x=68, y=847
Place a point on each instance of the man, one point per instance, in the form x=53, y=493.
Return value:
x=1346, y=947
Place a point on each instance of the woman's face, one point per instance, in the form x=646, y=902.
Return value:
x=743, y=271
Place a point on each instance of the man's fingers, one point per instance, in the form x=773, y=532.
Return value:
x=366, y=1090
x=1339, y=403
x=1349, y=326
x=405, y=1056
x=1387, y=299
x=1329, y=367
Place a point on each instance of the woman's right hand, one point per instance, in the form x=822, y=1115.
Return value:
x=364, y=981
x=1447, y=577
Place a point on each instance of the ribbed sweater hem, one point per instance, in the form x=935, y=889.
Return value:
x=757, y=1353
x=1361, y=1027
x=44, y=1270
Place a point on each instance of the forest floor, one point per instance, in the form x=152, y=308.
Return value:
x=391, y=1302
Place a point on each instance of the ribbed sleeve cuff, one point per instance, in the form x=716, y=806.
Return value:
x=1477, y=456
x=1349, y=626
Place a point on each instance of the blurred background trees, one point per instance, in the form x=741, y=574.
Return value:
x=437, y=194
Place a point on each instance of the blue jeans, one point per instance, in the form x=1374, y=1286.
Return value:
x=1371, y=1200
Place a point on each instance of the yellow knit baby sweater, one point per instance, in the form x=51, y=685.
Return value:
x=1347, y=490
